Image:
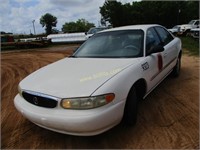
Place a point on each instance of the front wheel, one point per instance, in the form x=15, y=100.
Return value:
x=131, y=108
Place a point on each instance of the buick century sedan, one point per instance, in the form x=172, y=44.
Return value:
x=101, y=84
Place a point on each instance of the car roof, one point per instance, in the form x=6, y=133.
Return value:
x=132, y=27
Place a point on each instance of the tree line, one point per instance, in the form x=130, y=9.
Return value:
x=166, y=13
x=114, y=13
x=49, y=21
x=81, y=25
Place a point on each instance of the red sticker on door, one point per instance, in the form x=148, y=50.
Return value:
x=160, y=62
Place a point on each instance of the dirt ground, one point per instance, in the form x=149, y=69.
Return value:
x=168, y=117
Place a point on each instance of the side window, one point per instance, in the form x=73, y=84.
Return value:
x=152, y=39
x=165, y=36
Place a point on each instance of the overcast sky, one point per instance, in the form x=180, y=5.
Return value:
x=16, y=16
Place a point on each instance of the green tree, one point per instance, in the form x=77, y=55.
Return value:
x=48, y=21
x=111, y=11
x=166, y=13
x=81, y=25
x=189, y=10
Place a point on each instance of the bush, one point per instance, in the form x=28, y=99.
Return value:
x=191, y=45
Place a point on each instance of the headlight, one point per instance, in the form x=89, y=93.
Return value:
x=87, y=102
x=20, y=91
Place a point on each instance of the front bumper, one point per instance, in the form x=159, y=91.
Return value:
x=74, y=122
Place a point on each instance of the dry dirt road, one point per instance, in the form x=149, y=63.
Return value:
x=168, y=117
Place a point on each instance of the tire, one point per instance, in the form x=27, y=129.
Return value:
x=186, y=33
x=177, y=68
x=131, y=108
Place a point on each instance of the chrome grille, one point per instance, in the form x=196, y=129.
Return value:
x=39, y=100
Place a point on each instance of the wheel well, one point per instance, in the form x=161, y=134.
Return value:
x=187, y=30
x=180, y=54
x=140, y=87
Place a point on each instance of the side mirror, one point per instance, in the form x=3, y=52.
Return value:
x=156, y=49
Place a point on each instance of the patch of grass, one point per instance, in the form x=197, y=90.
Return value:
x=191, y=45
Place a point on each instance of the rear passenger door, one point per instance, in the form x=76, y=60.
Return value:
x=170, y=49
x=161, y=63
x=155, y=60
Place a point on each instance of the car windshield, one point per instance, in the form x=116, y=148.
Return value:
x=175, y=27
x=113, y=44
x=191, y=22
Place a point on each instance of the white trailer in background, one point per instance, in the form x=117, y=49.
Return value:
x=67, y=37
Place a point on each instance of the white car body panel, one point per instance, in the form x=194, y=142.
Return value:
x=84, y=77
x=173, y=30
x=134, y=72
x=187, y=27
x=75, y=122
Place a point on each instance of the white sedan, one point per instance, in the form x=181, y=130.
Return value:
x=102, y=82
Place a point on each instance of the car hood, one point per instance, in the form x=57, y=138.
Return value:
x=186, y=25
x=74, y=77
x=173, y=29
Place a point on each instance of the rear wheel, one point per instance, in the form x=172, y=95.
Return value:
x=131, y=108
x=177, y=68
